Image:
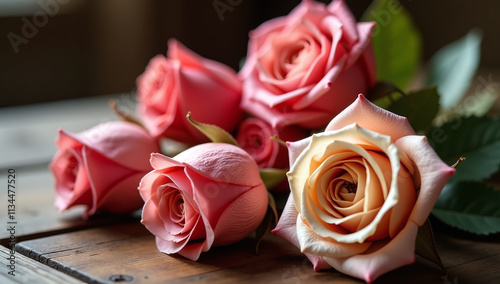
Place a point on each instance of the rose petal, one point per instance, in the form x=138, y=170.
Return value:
x=161, y=162
x=340, y=10
x=364, y=51
x=269, y=98
x=215, y=69
x=251, y=206
x=217, y=160
x=190, y=251
x=312, y=243
x=123, y=197
x=257, y=38
x=157, y=91
x=282, y=116
x=287, y=229
x=296, y=148
x=122, y=142
x=399, y=252
x=152, y=221
x=213, y=197
x=369, y=116
x=101, y=182
x=71, y=180
x=322, y=87
x=433, y=173
x=198, y=88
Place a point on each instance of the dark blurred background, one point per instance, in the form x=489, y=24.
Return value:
x=62, y=49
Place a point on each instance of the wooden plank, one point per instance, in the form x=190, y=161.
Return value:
x=478, y=256
x=27, y=133
x=129, y=249
x=16, y=268
x=35, y=214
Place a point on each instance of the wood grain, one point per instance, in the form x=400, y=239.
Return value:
x=36, y=215
x=129, y=249
x=27, y=270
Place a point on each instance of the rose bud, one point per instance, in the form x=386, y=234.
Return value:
x=101, y=168
x=208, y=195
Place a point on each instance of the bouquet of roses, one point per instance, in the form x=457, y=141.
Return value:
x=320, y=111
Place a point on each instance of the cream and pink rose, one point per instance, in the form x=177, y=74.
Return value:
x=360, y=190
x=304, y=68
x=208, y=195
x=101, y=168
x=185, y=82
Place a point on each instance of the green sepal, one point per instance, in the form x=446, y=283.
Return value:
x=213, y=132
x=425, y=246
x=272, y=176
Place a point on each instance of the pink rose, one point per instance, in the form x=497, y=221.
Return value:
x=208, y=195
x=184, y=81
x=308, y=66
x=254, y=136
x=360, y=190
x=101, y=168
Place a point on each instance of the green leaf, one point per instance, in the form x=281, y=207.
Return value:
x=272, y=176
x=270, y=220
x=384, y=93
x=425, y=246
x=396, y=42
x=213, y=132
x=469, y=206
x=419, y=107
x=453, y=67
x=476, y=139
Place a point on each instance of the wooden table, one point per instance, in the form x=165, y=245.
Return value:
x=54, y=247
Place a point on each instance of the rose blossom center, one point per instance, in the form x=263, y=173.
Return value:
x=254, y=141
x=158, y=83
x=178, y=207
x=349, y=187
x=173, y=203
x=353, y=185
x=71, y=168
x=291, y=54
